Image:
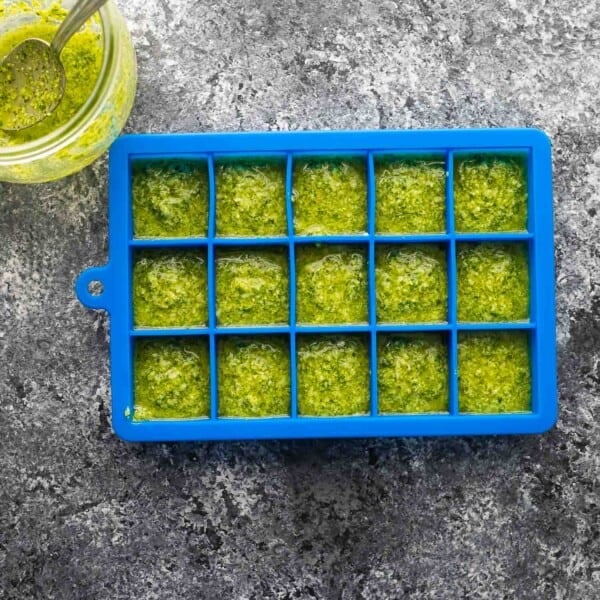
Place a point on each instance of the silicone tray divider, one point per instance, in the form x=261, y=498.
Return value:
x=223, y=242
x=499, y=326
x=289, y=175
x=191, y=242
x=498, y=237
x=371, y=262
x=332, y=239
x=453, y=407
x=212, y=301
x=413, y=327
x=421, y=238
x=333, y=329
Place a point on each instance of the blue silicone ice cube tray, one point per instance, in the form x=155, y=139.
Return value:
x=532, y=146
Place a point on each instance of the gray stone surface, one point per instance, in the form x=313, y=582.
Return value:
x=83, y=515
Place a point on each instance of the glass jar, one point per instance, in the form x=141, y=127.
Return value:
x=94, y=126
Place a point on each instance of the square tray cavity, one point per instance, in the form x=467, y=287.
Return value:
x=329, y=284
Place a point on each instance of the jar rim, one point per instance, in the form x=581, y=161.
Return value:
x=62, y=136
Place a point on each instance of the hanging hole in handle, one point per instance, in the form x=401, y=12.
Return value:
x=95, y=288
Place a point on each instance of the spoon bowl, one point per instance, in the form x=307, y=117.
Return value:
x=32, y=84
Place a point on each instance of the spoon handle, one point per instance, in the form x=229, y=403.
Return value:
x=77, y=16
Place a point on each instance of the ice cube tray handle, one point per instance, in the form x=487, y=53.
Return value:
x=98, y=296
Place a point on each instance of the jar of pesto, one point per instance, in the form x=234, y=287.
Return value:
x=101, y=73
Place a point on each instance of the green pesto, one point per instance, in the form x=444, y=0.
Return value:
x=252, y=287
x=170, y=199
x=493, y=282
x=251, y=200
x=490, y=194
x=330, y=197
x=254, y=377
x=411, y=196
x=170, y=289
x=411, y=284
x=82, y=61
x=494, y=373
x=171, y=379
x=331, y=284
x=413, y=374
x=30, y=85
x=333, y=376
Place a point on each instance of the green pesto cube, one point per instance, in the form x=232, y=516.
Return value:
x=330, y=197
x=411, y=196
x=494, y=373
x=333, y=376
x=411, y=284
x=254, y=377
x=251, y=199
x=170, y=289
x=252, y=287
x=171, y=379
x=170, y=199
x=413, y=374
x=332, y=284
x=493, y=282
x=490, y=194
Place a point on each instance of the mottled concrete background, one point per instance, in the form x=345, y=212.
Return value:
x=83, y=515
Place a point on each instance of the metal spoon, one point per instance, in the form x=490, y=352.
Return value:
x=32, y=78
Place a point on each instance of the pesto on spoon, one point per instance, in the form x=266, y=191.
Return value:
x=32, y=77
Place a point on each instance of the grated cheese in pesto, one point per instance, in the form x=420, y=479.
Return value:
x=494, y=372
x=413, y=374
x=254, y=377
x=493, y=282
x=252, y=287
x=411, y=284
x=330, y=197
x=411, y=196
x=332, y=284
x=171, y=379
x=333, y=375
x=170, y=199
x=490, y=194
x=251, y=199
x=169, y=289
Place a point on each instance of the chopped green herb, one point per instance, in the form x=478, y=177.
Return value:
x=411, y=196
x=251, y=200
x=490, y=194
x=413, y=374
x=493, y=282
x=333, y=376
x=252, y=287
x=169, y=289
x=171, y=379
x=254, y=377
x=170, y=199
x=494, y=373
x=331, y=284
x=330, y=197
x=411, y=284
